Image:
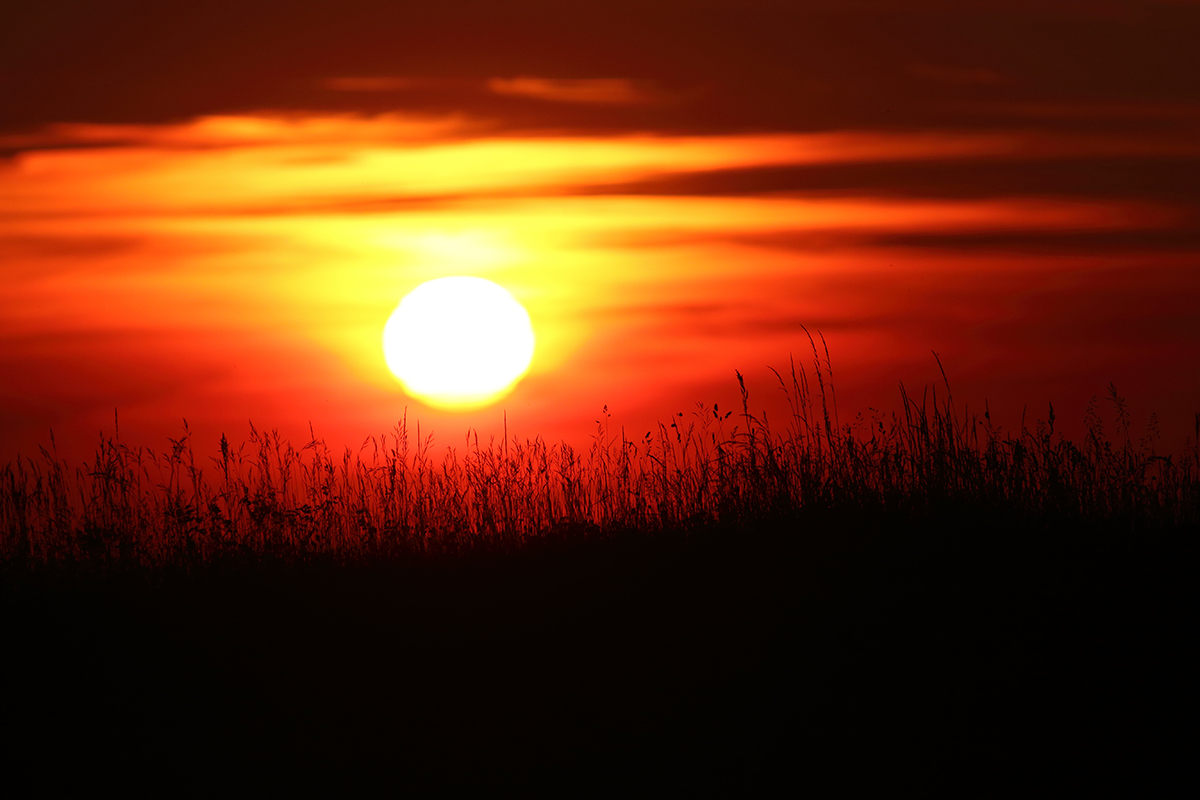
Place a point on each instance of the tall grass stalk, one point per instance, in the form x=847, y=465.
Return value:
x=398, y=493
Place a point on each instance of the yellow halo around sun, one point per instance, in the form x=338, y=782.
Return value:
x=458, y=342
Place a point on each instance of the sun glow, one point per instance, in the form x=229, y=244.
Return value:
x=458, y=342
x=245, y=267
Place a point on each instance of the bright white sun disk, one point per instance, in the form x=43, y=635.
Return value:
x=458, y=342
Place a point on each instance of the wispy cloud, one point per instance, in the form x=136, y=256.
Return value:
x=601, y=91
x=258, y=130
x=1076, y=110
x=273, y=163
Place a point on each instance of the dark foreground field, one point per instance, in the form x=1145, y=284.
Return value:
x=956, y=652
x=913, y=600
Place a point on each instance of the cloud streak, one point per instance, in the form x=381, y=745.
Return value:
x=588, y=91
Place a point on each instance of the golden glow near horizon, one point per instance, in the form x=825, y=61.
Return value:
x=458, y=342
x=251, y=262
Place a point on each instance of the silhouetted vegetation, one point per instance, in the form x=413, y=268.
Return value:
x=399, y=494
x=905, y=598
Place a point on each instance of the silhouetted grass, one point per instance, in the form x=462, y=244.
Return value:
x=399, y=494
x=918, y=598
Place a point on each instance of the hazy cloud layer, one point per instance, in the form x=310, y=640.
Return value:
x=242, y=267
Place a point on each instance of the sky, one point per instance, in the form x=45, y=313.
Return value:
x=208, y=211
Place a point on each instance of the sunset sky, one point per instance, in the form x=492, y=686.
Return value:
x=209, y=211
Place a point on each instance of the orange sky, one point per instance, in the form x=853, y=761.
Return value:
x=233, y=258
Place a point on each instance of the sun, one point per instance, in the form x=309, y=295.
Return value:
x=458, y=343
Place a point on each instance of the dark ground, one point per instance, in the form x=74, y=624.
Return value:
x=953, y=654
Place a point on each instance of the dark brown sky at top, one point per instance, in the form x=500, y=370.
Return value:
x=1105, y=67
x=751, y=64
x=1124, y=68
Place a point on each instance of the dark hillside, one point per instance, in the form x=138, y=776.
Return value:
x=955, y=651
x=915, y=600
